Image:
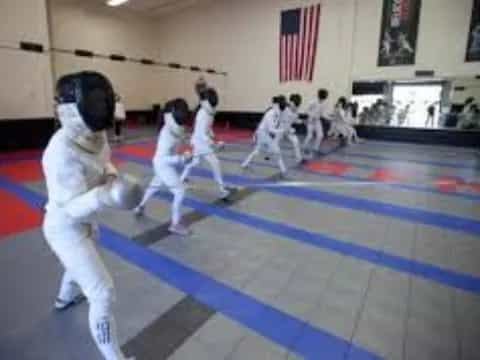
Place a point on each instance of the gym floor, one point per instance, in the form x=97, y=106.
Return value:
x=369, y=252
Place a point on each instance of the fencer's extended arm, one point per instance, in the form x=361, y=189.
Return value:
x=121, y=193
x=172, y=159
x=87, y=204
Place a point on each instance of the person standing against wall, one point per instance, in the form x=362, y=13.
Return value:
x=200, y=86
x=430, y=116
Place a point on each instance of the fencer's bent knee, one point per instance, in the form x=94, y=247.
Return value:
x=179, y=191
x=195, y=161
x=102, y=295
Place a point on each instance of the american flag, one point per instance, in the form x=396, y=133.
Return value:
x=298, y=43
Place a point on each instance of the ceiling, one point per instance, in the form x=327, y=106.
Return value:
x=156, y=8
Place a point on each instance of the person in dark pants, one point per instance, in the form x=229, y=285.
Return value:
x=119, y=118
x=430, y=116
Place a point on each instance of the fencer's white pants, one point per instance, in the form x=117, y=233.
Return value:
x=166, y=176
x=293, y=138
x=310, y=134
x=266, y=144
x=334, y=130
x=430, y=120
x=205, y=152
x=346, y=130
x=75, y=246
x=353, y=136
x=314, y=131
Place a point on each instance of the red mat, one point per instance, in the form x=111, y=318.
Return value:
x=185, y=148
x=448, y=184
x=475, y=187
x=133, y=125
x=22, y=154
x=331, y=168
x=385, y=175
x=16, y=215
x=232, y=135
x=142, y=151
x=22, y=171
x=118, y=162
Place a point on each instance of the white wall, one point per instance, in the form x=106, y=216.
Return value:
x=472, y=89
x=241, y=37
x=77, y=24
x=441, y=46
x=26, y=77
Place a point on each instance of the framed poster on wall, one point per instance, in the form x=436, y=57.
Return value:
x=473, y=47
x=399, y=32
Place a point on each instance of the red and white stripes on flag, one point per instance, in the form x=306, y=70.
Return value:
x=298, y=43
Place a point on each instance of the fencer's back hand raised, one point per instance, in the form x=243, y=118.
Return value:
x=124, y=192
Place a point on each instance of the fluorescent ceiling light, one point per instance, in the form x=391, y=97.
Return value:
x=116, y=2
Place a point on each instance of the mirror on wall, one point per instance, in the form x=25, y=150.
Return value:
x=452, y=103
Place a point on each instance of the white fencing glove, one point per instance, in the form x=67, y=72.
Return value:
x=124, y=193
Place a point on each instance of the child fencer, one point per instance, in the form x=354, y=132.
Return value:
x=289, y=117
x=342, y=123
x=268, y=134
x=203, y=140
x=164, y=162
x=81, y=181
x=338, y=115
x=350, y=123
x=317, y=110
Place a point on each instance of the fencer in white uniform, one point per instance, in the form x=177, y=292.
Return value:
x=336, y=125
x=81, y=181
x=290, y=117
x=317, y=110
x=203, y=140
x=341, y=123
x=164, y=162
x=350, y=123
x=268, y=134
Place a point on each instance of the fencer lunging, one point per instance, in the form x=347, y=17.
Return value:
x=316, y=111
x=268, y=134
x=203, y=140
x=81, y=181
x=165, y=160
